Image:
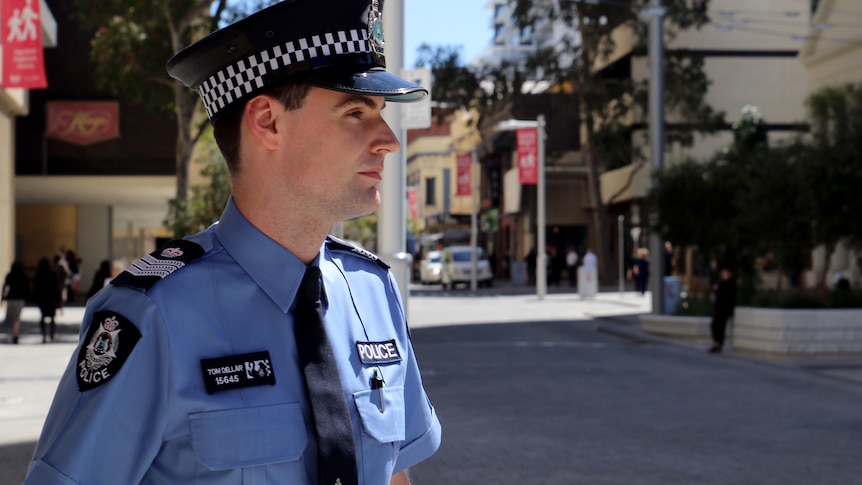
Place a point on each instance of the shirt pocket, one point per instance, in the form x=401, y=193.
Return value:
x=246, y=437
x=383, y=423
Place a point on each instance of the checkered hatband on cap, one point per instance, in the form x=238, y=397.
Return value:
x=249, y=75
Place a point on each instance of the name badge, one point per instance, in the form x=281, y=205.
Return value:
x=378, y=352
x=237, y=371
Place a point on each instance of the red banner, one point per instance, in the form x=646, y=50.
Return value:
x=528, y=155
x=465, y=174
x=83, y=122
x=23, y=62
x=413, y=202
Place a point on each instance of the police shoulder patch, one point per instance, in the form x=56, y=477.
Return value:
x=157, y=265
x=105, y=348
x=336, y=244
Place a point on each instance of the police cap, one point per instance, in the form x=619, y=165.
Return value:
x=332, y=44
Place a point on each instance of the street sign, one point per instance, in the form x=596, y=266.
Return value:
x=23, y=63
x=465, y=176
x=417, y=115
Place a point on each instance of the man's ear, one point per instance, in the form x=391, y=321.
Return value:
x=261, y=113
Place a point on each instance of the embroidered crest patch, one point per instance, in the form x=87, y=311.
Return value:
x=107, y=344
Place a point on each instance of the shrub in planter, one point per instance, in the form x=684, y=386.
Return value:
x=695, y=305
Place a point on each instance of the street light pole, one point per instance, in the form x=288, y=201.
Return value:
x=622, y=243
x=656, y=135
x=474, y=223
x=539, y=125
x=541, y=263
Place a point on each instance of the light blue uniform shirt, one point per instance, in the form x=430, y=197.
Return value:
x=152, y=420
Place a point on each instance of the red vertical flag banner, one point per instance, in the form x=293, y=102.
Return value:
x=413, y=202
x=528, y=155
x=21, y=30
x=465, y=174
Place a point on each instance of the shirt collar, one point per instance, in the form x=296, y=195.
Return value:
x=275, y=269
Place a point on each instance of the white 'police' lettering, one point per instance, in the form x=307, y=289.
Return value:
x=378, y=352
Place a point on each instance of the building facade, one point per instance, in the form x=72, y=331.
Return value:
x=104, y=198
x=15, y=104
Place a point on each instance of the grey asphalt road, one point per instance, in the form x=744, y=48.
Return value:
x=564, y=402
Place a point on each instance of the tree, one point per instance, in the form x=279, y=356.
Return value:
x=718, y=206
x=834, y=167
x=207, y=200
x=579, y=64
x=131, y=42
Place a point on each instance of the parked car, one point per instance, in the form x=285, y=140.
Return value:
x=429, y=268
x=457, y=267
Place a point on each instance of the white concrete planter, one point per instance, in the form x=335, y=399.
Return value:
x=807, y=332
x=690, y=329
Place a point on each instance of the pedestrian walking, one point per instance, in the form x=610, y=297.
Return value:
x=16, y=292
x=48, y=295
x=260, y=350
x=725, y=303
x=572, y=266
x=640, y=270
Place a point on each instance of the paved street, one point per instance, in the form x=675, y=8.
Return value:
x=564, y=391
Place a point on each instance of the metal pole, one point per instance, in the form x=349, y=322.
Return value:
x=656, y=133
x=391, y=222
x=474, y=226
x=622, y=243
x=541, y=269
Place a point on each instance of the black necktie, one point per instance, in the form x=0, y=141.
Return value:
x=336, y=452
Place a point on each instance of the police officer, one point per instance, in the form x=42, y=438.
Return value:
x=189, y=369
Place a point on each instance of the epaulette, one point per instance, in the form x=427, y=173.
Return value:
x=336, y=244
x=152, y=268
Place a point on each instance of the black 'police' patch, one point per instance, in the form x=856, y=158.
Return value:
x=105, y=348
x=378, y=352
x=236, y=371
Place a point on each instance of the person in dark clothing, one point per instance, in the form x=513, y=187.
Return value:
x=99, y=279
x=531, y=259
x=74, y=279
x=48, y=291
x=16, y=292
x=640, y=269
x=725, y=302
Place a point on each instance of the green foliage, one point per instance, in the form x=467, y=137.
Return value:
x=454, y=84
x=754, y=200
x=207, y=200
x=834, y=163
x=695, y=305
x=362, y=229
x=130, y=44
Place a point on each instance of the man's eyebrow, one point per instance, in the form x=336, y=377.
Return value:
x=354, y=99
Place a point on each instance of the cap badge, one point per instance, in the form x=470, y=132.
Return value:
x=375, y=27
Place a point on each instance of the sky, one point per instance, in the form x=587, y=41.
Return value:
x=465, y=23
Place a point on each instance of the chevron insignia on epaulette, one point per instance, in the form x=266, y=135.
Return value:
x=154, y=267
x=337, y=244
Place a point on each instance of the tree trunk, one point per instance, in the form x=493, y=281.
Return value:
x=600, y=215
x=185, y=145
x=821, y=281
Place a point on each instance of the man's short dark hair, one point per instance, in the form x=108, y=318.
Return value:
x=227, y=131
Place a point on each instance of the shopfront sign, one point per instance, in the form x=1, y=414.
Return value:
x=83, y=122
